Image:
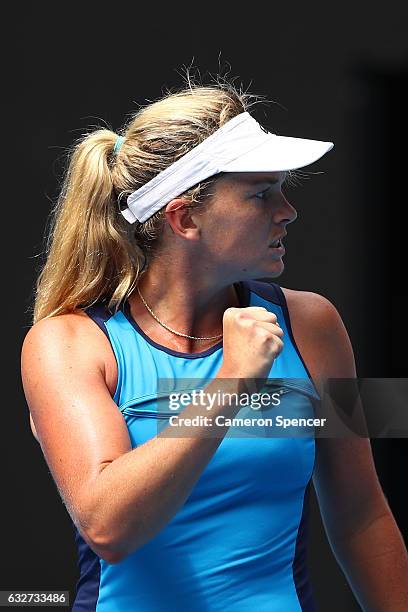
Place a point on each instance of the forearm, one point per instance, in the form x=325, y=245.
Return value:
x=375, y=562
x=135, y=496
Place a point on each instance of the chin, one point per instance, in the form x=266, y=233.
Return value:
x=268, y=274
x=259, y=273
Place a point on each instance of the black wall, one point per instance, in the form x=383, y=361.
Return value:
x=338, y=71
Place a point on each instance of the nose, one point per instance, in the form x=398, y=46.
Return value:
x=285, y=213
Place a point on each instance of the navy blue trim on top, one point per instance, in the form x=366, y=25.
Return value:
x=273, y=293
x=99, y=313
x=287, y=317
x=266, y=290
x=87, y=587
x=299, y=566
x=243, y=297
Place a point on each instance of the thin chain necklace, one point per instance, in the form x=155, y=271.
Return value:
x=169, y=328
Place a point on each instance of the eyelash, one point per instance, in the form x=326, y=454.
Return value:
x=261, y=192
x=265, y=191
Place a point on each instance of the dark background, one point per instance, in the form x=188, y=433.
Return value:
x=339, y=72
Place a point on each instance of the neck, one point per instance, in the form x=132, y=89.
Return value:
x=189, y=302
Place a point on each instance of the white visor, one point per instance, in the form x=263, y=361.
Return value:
x=240, y=145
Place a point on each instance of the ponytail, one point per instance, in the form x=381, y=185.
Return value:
x=90, y=254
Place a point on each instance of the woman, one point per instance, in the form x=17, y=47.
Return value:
x=158, y=236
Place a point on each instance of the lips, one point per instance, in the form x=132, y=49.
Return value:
x=277, y=242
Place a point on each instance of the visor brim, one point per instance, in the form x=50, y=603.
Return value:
x=279, y=154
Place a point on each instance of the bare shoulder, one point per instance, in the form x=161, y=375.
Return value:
x=320, y=334
x=75, y=329
x=308, y=303
x=78, y=330
x=312, y=312
x=74, y=333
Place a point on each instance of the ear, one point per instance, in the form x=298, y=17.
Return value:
x=179, y=217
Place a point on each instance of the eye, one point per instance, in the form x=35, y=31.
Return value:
x=262, y=194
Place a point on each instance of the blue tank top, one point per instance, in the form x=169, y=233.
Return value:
x=239, y=541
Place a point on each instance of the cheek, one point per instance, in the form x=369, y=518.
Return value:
x=224, y=224
x=233, y=223
x=238, y=243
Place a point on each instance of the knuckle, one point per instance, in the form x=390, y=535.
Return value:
x=279, y=343
x=229, y=312
x=262, y=333
x=245, y=321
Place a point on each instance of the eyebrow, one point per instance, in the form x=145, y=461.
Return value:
x=270, y=179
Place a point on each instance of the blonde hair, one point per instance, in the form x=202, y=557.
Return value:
x=92, y=252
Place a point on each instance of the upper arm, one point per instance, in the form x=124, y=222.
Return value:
x=344, y=477
x=78, y=425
